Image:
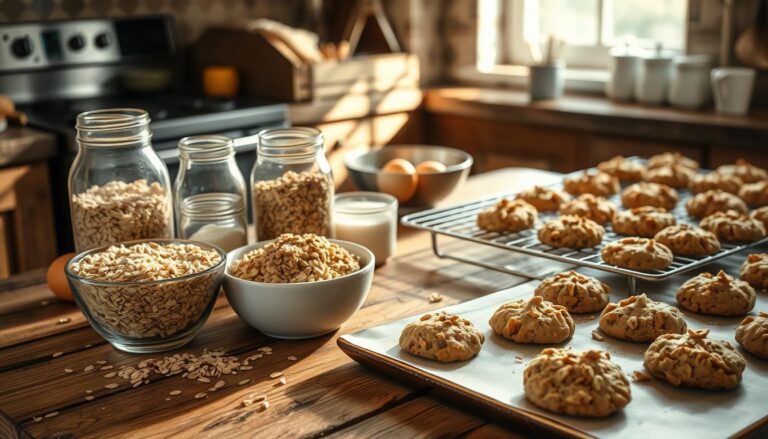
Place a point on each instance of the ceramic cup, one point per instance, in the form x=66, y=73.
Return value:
x=546, y=81
x=732, y=89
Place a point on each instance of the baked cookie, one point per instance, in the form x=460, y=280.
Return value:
x=687, y=240
x=576, y=292
x=596, y=208
x=752, y=334
x=442, y=337
x=714, y=180
x=571, y=231
x=544, y=199
x=643, y=221
x=639, y=253
x=649, y=194
x=584, y=383
x=709, y=202
x=507, y=216
x=671, y=175
x=733, y=226
x=719, y=295
x=761, y=214
x=533, y=321
x=755, y=194
x=672, y=158
x=693, y=360
x=747, y=172
x=623, y=169
x=754, y=270
x=638, y=318
x=596, y=183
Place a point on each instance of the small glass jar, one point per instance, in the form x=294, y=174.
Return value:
x=292, y=184
x=368, y=219
x=119, y=188
x=216, y=218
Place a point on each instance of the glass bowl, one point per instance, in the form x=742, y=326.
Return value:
x=150, y=316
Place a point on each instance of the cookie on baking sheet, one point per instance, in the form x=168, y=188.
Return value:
x=594, y=207
x=687, y=240
x=693, y=360
x=544, y=199
x=442, y=337
x=755, y=194
x=638, y=318
x=622, y=168
x=639, y=253
x=719, y=295
x=754, y=270
x=672, y=158
x=733, y=226
x=709, y=202
x=507, y=216
x=596, y=183
x=571, y=231
x=576, y=292
x=715, y=181
x=533, y=320
x=583, y=383
x=649, y=194
x=671, y=175
x=752, y=334
x=761, y=214
x=747, y=172
x=644, y=221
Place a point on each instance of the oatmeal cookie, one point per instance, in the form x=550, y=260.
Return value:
x=693, y=360
x=709, y=202
x=596, y=183
x=584, y=383
x=733, y=226
x=596, y=208
x=442, y=337
x=639, y=253
x=752, y=334
x=571, y=231
x=672, y=158
x=544, y=199
x=507, y=216
x=755, y=194
x=576, y=292
x=687, y=240
x=643, y=221
x=754, y=270
x=761, y=214
x=747, y=172
x=649, y=194
x=533, y=321
x=638, y=318
x=714, y=180
x=719, y=295
x=671, y=175
x=622, y=168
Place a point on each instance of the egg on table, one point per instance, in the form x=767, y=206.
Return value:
x=430, y=167
x=57, y=280
x=398, y=178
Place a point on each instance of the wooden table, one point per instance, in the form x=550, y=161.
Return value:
x=326, y=393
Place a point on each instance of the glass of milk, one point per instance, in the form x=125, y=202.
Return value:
x=368, y=219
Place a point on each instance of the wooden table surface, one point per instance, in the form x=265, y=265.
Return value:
x=326, y=393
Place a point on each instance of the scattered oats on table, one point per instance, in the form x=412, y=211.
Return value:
x=596, y=336
x=174, y=392
x=201, y=395
x=282, y=380
x=640, y=376
x=63, y=320
x=244, y=382
x=110, y=375
x=292, y=358
x=51, y=414
x=57, y=354
x=275, y=374
x=435, y=297
x=112, y=386
x=68, y=370
x=90, y=397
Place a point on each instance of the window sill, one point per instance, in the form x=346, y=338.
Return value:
x=580, y=80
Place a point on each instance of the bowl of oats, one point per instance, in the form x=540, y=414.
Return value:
x=148, y=295
x=298, y=286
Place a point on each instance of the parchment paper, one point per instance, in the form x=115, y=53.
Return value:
x=657, y=409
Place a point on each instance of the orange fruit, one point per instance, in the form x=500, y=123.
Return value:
x=57, y=280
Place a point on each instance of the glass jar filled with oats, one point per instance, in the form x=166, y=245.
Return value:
x=119, y=188
x=292, y=184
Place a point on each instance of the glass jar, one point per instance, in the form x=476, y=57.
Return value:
x=369, y=219
x=209, y=193
x=292, y=184
x=119, y=188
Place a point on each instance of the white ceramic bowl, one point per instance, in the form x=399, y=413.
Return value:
x=299, y=310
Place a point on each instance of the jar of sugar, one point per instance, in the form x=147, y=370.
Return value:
x=368, y=219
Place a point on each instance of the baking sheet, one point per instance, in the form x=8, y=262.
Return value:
x=657, y=409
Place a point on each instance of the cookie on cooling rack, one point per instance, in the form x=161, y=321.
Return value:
x=622, y=168
x=571, y=231
x=649, y=194
x=693, y=360
x=643, y=221
x=638, y=318
x=733, y=226
x=752, y=334
x=670, y=175
x=687, y=240
x=747, y=172
x=589, y=182
x=533, y=320
x=709, y=202
x=755, y=194
x=761, y=214
x=507, y=216
x=584, y=383
x=442, y=337
x=715, y=181
x=637, y=253
x=594, y=207
x=576, y=292
x=544, y=199
x=754, y=270
x=672, y=158
x=719, y=295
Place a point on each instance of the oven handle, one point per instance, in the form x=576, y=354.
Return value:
x=170, y=156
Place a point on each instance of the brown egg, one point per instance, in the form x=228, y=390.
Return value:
x=430, y=167
x=401, y=166
x=57, y=280
x=398, y=178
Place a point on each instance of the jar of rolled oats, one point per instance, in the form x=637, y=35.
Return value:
x=292, y=184
x=119, y=188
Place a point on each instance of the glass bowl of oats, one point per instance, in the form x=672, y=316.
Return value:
x=148, y=295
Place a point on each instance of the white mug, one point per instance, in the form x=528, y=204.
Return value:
x=732, y=89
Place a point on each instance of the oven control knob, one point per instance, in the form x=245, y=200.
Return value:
x=21, y=47
x=76, y=42
x=102, y=40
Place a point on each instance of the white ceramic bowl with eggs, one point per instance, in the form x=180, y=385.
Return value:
x=299, y=310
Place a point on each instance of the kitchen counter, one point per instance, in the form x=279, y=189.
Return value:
x=326, y=393
x=23, y=145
